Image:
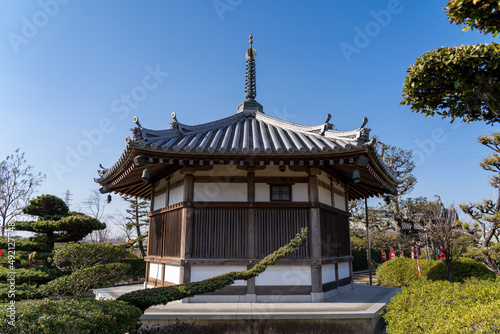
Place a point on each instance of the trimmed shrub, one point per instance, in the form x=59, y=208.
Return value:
x=463, y=268
x=400, y=272
x=72, y=257
x=22, y=292
x=69, y=316
x=79, y=282
x=444, y=307
x=137, y=272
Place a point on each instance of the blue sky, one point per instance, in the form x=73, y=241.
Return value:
x=74, y=73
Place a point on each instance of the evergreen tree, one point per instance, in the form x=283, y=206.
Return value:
x=30, y=256
x=137, y=222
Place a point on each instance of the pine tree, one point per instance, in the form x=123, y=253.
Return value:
x=137, y=221
x=30, y=257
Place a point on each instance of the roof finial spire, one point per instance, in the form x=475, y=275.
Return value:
x=250, y=106
x=250, y=91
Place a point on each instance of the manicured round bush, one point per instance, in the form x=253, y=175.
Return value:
x=444, y=307
x=462, y=268
x=68, y=316
x=400, y=272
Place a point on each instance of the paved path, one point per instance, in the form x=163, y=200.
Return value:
x=363, y=277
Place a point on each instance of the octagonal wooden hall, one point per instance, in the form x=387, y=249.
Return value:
x=225, y=194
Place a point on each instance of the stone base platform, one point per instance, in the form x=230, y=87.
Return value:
x=354, y=311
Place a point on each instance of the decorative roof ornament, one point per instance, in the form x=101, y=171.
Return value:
x=250, y=87
x=250, y=106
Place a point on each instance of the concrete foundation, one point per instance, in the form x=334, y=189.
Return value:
x=354, y=311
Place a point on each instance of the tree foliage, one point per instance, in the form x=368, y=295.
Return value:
x=69, y=316
x=486, y=215
x=92, y=266
x=17, y=184
x=144, y=299
x=459, y=82
x=82, y=280
x=483, y=15
x=444, y=307
x=72, y=257
x=55, y=224
x=137, y=222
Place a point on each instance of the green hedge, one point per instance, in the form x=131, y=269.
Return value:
x=400, y=272
x=69, y=316
x=444, y=307
x=462, y=268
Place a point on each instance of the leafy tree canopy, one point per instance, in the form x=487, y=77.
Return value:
x=460, y=82
x=482, y=15
x=457, y=82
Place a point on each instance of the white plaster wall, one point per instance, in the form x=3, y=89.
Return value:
x=325, y=196
x=300, y=193
x=343, y=270
x=339, y=202
x=172, y=274
x=176, y=195
x=155, y=270
x=220, y=192
x=275, y=171
x=285, y=275
x=161, y=184
x=323, y=177
x=262, y=192
x=221, y=171
x=177, y=176
x=199, y=273
x=328, y=273
x=159, y=201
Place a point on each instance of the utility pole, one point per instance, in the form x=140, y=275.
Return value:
x=368, y=242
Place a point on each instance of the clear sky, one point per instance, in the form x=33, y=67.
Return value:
x=74, y=73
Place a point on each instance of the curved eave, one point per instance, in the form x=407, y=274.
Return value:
x=339, y=165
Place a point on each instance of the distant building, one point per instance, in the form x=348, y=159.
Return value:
x=227, y=193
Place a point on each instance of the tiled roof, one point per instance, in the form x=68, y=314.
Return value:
x=250, y=132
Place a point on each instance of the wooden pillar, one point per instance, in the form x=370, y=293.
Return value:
x=147, y=272
x=187, y=224
x=251, y=213
x=315, y=232
x=337, y=276
x=167, y=192
x=162, y=274
x=332, y=192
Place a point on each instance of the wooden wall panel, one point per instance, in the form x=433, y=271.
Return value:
x=275, y=228
x=335, y=238
x=172, y=233
x=219, y=234
x=164, y=238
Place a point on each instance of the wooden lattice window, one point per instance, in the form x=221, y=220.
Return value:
x=281, y=192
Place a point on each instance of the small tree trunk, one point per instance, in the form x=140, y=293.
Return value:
x=449, y=268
